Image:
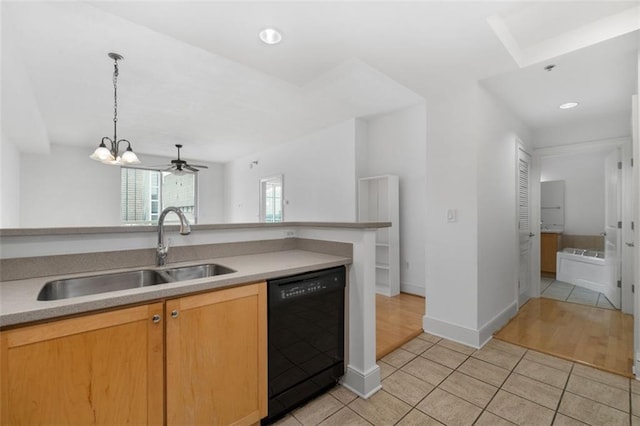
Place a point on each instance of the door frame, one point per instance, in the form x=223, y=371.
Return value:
x=570, y=149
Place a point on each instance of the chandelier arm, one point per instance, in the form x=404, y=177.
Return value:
x=112, y=146
x=123, y=140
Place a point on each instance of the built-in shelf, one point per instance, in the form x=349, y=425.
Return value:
x=378, y=200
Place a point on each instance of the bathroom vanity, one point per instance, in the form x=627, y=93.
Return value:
x=550, y=243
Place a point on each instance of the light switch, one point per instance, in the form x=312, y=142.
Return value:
x=452, y=215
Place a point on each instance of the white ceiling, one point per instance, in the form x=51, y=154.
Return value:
x=195, y=72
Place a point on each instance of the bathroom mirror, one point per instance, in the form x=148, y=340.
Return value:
x=552, y=205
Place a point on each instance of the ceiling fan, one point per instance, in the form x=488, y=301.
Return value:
x=180, y=167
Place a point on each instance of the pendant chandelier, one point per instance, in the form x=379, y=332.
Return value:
x=110, y=154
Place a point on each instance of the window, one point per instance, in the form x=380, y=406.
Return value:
x=145, y=193
x=271, y=205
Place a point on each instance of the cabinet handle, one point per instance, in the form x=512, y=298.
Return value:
x=630, y=244
x=174, y=314
x=531, y=234
x=156, y=318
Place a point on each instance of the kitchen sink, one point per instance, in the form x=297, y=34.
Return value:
x=83, y=286
x=197, y=271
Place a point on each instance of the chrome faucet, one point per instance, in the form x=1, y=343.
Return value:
x=185, y=229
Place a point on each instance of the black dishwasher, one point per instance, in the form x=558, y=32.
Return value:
x=306, y=337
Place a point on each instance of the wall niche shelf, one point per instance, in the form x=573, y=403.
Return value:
x=379, y=200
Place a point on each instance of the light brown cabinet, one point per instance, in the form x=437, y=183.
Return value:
x=549, y=246
x=96, y=369
x=217, y=357
x=109, y=368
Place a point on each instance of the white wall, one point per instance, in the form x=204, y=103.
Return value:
x=9, y=184
x=471, y=264
x=583, y=174
x=319, y=177
x=66, y=188
x=396, y=145
x=451, y=252
x=498, y=130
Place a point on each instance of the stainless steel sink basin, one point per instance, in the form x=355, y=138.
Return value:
x=83, y=286
x=197, y=271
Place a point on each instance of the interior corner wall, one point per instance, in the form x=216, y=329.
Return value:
x=451, y=249
x=396, y=144
x=361, y=150
x=496, y=136
x=9, y=184
x=319, y=177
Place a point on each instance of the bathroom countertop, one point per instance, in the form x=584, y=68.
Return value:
x=551, y=231
x=19, y=304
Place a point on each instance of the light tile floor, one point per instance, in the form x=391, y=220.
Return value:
x=433, y=381
x=559, y=290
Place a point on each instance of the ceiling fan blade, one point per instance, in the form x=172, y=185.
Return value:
x=188, y=167
x=199, y=166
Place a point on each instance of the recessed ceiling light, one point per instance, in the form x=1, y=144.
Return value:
x=569, y=105
x=270, y=36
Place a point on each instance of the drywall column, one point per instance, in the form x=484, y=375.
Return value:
x=363, y=374
x=451, y=249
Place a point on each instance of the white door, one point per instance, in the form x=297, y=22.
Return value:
x=271, y=199
x=524, y=225
x=612, y=213
x=627, y=245
x=635, y=200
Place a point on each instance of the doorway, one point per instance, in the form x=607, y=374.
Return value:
x=563, y=327
x=597, y=205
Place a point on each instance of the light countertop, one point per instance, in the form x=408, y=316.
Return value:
x=19, y=304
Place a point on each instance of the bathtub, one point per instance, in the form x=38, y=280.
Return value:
x=588, y=269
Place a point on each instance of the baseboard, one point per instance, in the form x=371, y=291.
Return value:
x=468, y=336
x=412, y=289
x=497, y=322
x=450, y=331
x=362, y=384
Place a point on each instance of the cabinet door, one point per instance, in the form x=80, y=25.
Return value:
x=548, y=250
x=216, y=347
x=97, y=369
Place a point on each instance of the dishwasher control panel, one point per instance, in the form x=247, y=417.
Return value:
x=302, y=289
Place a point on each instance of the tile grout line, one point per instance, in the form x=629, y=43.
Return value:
x=555, y=414
x=500, y=387
x=630, y=404
x=439, y=383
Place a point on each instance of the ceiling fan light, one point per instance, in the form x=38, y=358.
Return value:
x=130, y=157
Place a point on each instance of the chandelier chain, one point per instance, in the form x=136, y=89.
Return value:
x=115, y=92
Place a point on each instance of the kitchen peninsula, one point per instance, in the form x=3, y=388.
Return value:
x=31, y=257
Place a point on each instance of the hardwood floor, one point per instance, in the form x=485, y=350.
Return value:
x=398, y=320
x=598, y=337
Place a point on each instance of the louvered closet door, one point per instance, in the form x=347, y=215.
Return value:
x=524, y=224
